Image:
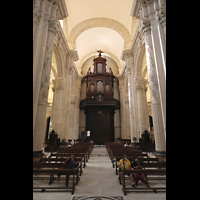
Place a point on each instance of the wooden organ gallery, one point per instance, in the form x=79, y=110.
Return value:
x=99, y=104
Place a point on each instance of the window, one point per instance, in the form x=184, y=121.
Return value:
x=107, y=88
x=99, y=68
x=99, y=86
x=91, y=88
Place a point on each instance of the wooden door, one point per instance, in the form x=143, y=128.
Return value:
x=100, y=123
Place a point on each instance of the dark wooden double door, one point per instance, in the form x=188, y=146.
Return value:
x=100, y=123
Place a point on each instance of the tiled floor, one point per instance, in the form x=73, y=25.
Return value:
x=99, y=179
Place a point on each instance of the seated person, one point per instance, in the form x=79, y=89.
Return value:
x=91, y=141
x=125, y=145
x=124, y=162
x=137, y=164
x=69, y=163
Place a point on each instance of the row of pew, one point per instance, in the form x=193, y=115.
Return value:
x=154, y=169
x=49, y=168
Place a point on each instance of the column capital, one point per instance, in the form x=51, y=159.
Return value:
x=145, y=26
x=62, y=8
x=71, y=57
x=58, y=84
x=140, y=83
x=127, y=55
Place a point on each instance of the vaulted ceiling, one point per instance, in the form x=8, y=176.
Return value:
x=99, y=24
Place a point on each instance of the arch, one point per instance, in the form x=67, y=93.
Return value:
x=107, y=53
x=59, y=61
x=99, y=22
x=53, y=70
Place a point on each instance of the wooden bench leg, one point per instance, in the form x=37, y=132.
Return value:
x=119, y=178
x=51, y=179
x=124, y=185
x=124, y=190
x=73, y=183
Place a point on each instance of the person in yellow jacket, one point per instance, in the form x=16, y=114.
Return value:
x=124, y=162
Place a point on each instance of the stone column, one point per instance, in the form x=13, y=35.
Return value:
x=77, y=109
x=130, y=99
x=140, y=83
x=159, y=132
x=42, y=13
x=67, y=103
x=153, y=11
x=57, y=106
x=68, y=74
x=128, y=57
x=121, y=95
x=127, y=134
x=117, y=126
x=45, y=17
x=39, y=128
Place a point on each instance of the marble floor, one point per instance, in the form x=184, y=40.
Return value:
x=99, y=179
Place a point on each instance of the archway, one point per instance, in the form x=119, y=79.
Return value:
x=99, y=22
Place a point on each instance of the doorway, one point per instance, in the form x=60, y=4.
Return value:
x=100, y=123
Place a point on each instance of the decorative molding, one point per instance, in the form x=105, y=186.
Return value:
x=62, y=8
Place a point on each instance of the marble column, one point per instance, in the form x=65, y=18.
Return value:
x=143, y=117
x=159, y=132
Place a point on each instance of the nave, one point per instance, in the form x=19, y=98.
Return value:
x=99, y=179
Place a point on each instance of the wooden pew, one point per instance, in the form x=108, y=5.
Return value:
x=131, y=158
x=147, y=172
x=53, y=172
x=61, y=160
x=118, y=155
x=64, y=155
x=85, y=149
x=116, y=149
x=40, y=165
x=80, y=148
x=157, y=165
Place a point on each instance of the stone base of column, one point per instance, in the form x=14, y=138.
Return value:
x=38, y=153
x=160, y=153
